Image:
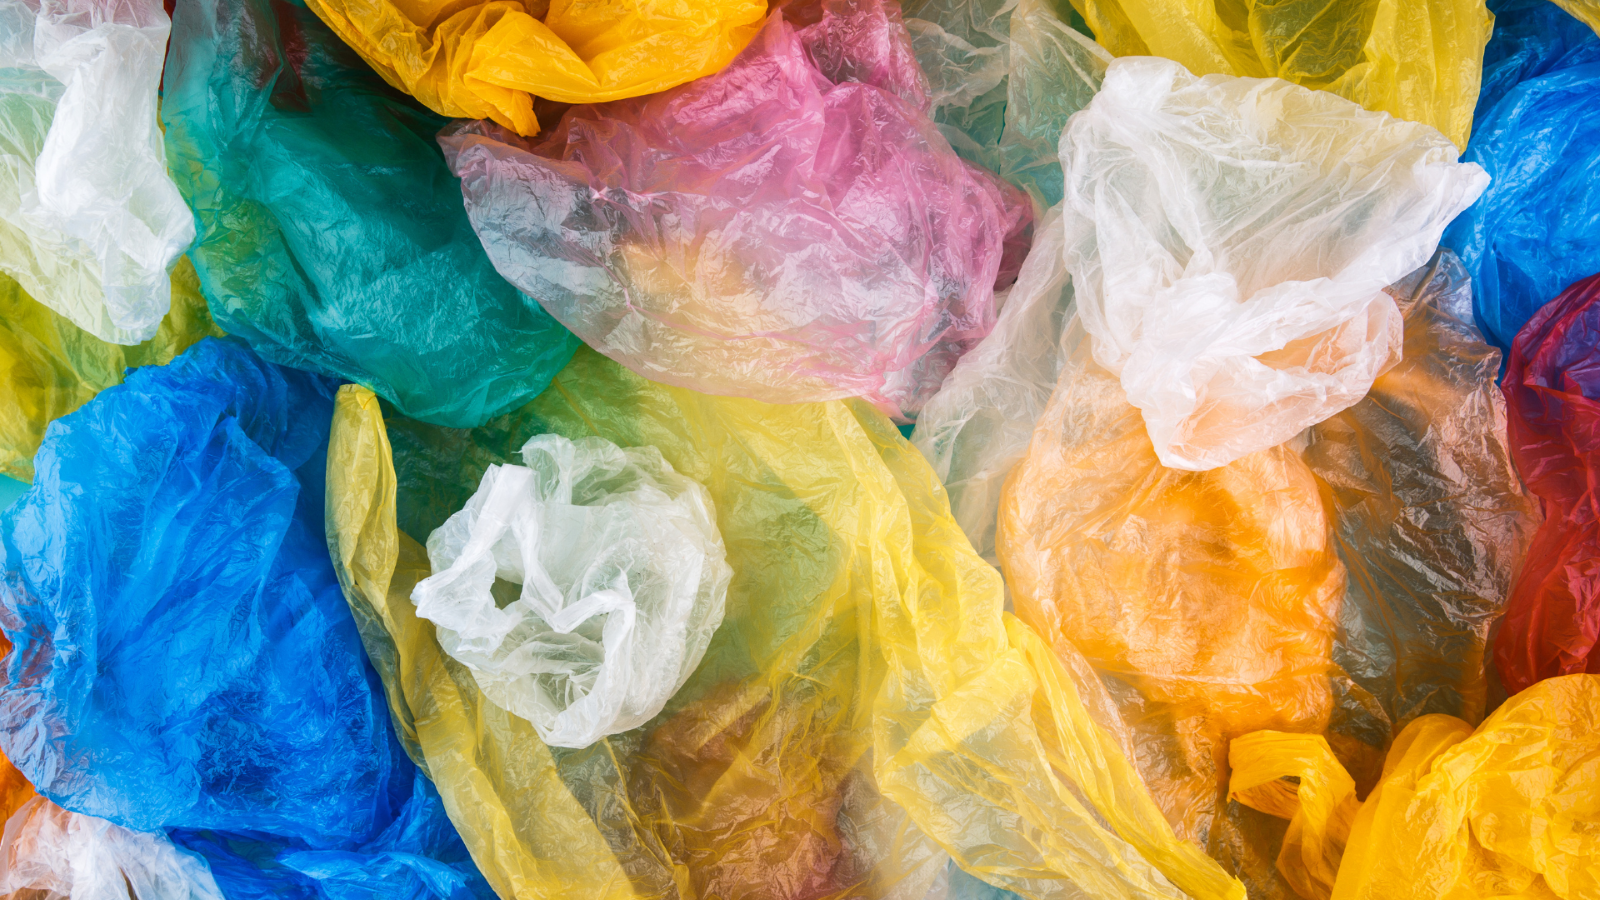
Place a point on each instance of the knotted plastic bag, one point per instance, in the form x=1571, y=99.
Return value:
x=791, y=229
x=90, y=223
x=623, y=580
x=332, y=237
x=76, y=857
x=1417, y=61
x=483, y=59
x=864, y=704
x=1229, y=240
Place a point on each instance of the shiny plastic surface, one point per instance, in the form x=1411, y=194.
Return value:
x=61, y=854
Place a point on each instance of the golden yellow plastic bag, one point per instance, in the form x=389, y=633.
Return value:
x=50, y=367
x=1585, y=11
x=1419, y=60
x=488, y=59
x=865, y=708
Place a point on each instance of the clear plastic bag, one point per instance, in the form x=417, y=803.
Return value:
x=76, y=857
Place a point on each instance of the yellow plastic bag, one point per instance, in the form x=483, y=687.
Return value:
x=1418, y=60
x=865, y=708
x=488, y=59
x=1585, y=11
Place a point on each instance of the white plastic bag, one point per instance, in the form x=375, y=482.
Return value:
x=90, y=223
x=623, y=580
x=1229, y=240
x=64, y=854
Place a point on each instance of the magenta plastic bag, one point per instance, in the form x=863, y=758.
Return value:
x=793, y=228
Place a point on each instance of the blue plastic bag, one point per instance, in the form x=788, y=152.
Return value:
x=184, y=659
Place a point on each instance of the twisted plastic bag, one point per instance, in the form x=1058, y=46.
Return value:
x=623, y=580
x=1506, y=810
x=1536, y=229
x=332, y=237
x=183, y=658
x=1418, y=61
x=791, y=229
x=865, y=708
x=1228, y=241
x=75, y=857
x=90, y=222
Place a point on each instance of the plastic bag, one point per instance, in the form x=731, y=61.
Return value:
x=790, y=229
x=623, y=580
x=1507, y=810
x=864, y=704
x=50, y=367
x=1417, y=61
x=1586, y=11
x=76, y=857
x=295, y=156
x=482, y=59
x=1229, y=240
x=1536, y=229
x=183, y=658
x=90, y=223
x=1552, y=622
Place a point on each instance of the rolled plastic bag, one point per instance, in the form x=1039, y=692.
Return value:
x=90, y=223
x=865, y=712
x=292, y=153
x=1229, y=240
x=623, y=580
x=184, y=661
x=75, y=857
x=1419, y=62
x=791, y=229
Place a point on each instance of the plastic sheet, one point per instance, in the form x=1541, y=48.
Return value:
x=791, y=229
x=1536, y=229
x=1418, y=61
x=183, y=658
x=1587, y=11
x=332, y=237
x=623, y=581
x=90, y=223
x=75, y=857
x=482, y=59
x=865, y=708
x=1552, y=388
x=1507, y=810
x=1228, y=241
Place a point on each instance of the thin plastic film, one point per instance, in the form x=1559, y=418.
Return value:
x=90, y=223
x=75, y=857
x=1229, y=240
x=623, y=581
x=791, y=229
x=332, y=237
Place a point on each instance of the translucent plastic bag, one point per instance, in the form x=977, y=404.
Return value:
x=791, y=229
x=332, y=237
x=90, y=223
x=1417, y=60
x=865, y=708
x=1229, y=240
x=1587, y=11
x=623, y=580
x=482, y=59
x=76, y=857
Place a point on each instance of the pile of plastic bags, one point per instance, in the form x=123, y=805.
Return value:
x=966, y=450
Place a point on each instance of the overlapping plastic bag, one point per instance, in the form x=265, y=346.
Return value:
x=483, y=59
x=90, y=223
x=1586, y=11
x=1418, y=61
x=1229, y=240
x=183, y=658
x=791, y=229
x=332, y=237
x=1536, y=229
x=865, y=708
x=1506, y=810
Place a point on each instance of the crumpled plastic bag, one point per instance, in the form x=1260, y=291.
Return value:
x=1417, y=61
x=1506, y=810
x=332, y=237
x=1229, y=240
x=76, y=857
x=623, y=580
x=1536, y=230
x=183, y=658
x=483, y=59
x=1552, y=389
x=865, y=708
x=790, y=229
x=50, y=367
x=90, y=222
x=1586, y=11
